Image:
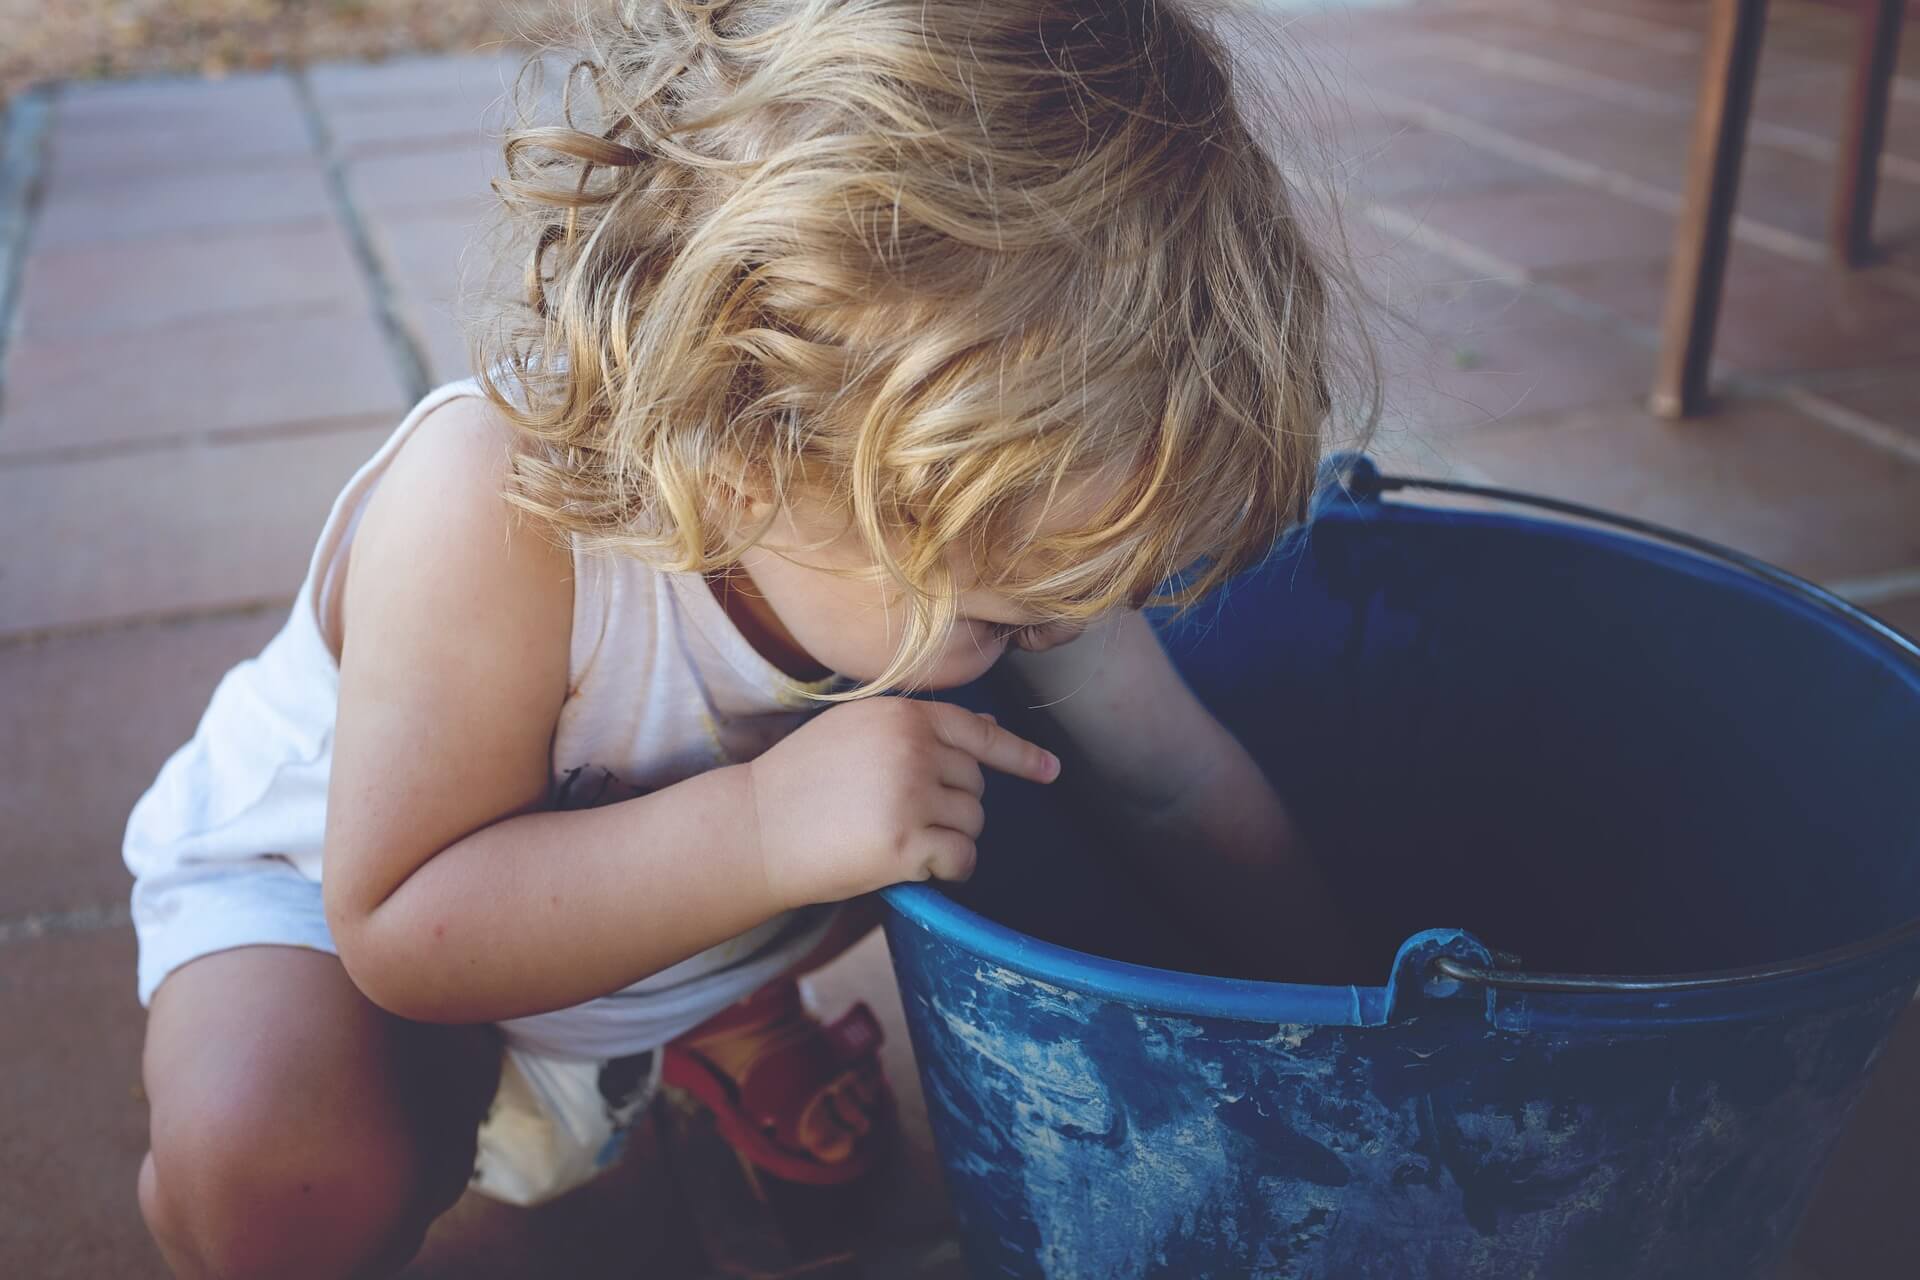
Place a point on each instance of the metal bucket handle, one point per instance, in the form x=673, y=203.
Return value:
x=1602, y=983
x=1357, y=475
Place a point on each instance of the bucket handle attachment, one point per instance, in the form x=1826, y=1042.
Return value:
x=1418, y=983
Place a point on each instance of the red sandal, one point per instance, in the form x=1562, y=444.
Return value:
x=795, y=1065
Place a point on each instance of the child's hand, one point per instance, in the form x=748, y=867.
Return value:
x=872, y=793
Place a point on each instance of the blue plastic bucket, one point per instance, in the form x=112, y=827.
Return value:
x=1538, y=748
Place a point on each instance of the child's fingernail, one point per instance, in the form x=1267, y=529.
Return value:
x=1050, y=765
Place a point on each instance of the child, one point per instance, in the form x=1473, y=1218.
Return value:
x=868, y=342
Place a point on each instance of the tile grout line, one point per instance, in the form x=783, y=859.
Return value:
x=127, y=622
x=237, y=313
x=1410, y=228
x=1656, y=37
x=1787, y=244
x=41, y=924
x=23, y=155
x=408, y=360
x=197, y=235
x=213, y=438
x=1838, y=417
x=1879, y=588
x=1397, y=221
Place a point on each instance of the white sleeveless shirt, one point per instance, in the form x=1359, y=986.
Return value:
x=661, y=686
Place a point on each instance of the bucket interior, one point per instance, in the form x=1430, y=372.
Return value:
x=1596, y=753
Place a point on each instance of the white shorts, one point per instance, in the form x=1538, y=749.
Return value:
x=195, y=910
x=556, y=1120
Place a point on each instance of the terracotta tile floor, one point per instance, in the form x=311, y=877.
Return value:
x=1510, y=169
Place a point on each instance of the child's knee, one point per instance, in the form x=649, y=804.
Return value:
x=248, y=1195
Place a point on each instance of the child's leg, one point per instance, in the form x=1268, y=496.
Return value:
x=297, y=1129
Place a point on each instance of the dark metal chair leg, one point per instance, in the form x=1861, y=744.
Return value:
x=1850, y=230
x=1706, y=218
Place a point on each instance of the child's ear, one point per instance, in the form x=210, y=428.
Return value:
x=744, y=491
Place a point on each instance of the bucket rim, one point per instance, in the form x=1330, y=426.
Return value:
x=1250, y=1000
x=1167, y=990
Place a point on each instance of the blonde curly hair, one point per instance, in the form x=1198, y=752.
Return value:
x=933, y=260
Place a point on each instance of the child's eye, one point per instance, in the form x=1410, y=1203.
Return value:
x=1047, y=635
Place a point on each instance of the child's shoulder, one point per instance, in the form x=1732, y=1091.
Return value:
x=465, y=433
x=441, y=511
x=455, y=468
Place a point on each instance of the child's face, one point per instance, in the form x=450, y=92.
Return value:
x=814, y=597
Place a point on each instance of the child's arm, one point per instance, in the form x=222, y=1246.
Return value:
x=452, y=898
x=1191, y=800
